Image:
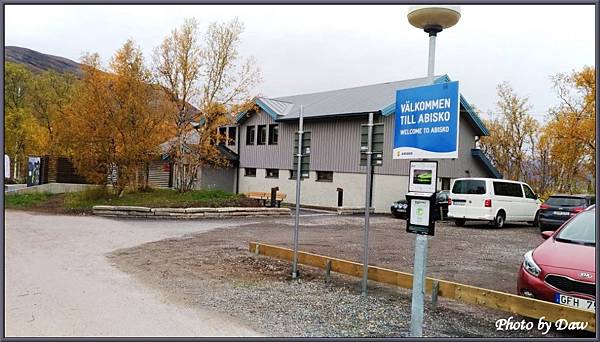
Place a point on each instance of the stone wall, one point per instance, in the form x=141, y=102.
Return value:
x=53, y=188
x=187, y=213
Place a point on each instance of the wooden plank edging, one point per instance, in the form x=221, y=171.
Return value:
x=507, y=302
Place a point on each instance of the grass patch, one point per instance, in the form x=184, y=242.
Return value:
x=15, y=201
x=83, y=201
x=156, y=198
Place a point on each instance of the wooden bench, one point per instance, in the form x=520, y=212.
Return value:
x=265, y=197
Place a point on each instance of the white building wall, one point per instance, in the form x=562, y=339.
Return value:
x=386, y=188
x=312, y=192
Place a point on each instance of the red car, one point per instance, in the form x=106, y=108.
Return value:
x=563, y=268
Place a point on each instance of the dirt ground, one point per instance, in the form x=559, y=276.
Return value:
x=475, y=254
x=215, y=269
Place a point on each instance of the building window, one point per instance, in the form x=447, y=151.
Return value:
x=302, y=176
x=272, y=173
x=273, y=134
x=250, y=135
x=222, y=135
x=445, y=183
x=231, y=134
x=262, y=135
x=324, y=176
x=250, y=172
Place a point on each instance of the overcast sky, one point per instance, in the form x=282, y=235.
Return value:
x=310, y=48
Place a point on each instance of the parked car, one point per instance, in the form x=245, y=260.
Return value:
x=563, y=268
x=559, y=208
x=494, y=200
x=399, y=208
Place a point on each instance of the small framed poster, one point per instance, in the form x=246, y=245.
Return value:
x=423, y=176
x=420, y=213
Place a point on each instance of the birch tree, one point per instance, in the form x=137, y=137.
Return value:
x=18, y=120
x=209, y=73
x=512, y=134
x=118, y=120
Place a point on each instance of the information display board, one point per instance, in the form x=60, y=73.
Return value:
x=427, y=121
x=423, y=176
x=420, y=213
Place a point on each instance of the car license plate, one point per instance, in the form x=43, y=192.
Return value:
x=458, y=203
x=561, y=213
x=575, y=302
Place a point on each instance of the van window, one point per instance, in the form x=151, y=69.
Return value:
x=508, y=189
x=469, y=186
x=528, y=192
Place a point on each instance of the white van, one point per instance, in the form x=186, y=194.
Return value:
x=494, y=200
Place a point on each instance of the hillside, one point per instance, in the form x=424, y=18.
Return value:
x=39, y=62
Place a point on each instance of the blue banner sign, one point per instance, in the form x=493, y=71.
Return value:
x=427, y=122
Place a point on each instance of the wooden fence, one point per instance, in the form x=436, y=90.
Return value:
x=523, y=306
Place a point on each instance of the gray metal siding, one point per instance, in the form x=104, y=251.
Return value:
x=267, y=156
x=335, y=147
x=221, y=179
x=335, y=144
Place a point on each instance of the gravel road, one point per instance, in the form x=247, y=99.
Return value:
x=58, y=281
x=215, y=269
x=91, y=276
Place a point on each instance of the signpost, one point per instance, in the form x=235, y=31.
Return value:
x=371, y=154
x=427, y=121
x=299, y=171
x=376, y=144
x=305, y=147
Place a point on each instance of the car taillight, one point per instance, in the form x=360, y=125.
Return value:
x=449, y=201
x=577, y=210
x=488, y=203
x=544, y=206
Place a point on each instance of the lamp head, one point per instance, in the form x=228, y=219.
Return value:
x=433, y=19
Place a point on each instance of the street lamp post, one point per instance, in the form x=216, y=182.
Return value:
x=432, y=19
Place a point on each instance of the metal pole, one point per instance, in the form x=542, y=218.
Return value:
x=418, y=289
x=298, y=171
x=431, y=62
x=367, y=206
x=418, y=293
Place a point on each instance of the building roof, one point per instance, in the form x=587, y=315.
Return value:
x=192, y=137
x=354, y=101
x=487, y=164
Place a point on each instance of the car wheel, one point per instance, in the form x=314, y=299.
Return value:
x=499, y=221
x=459, y=222
x=535, y=222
